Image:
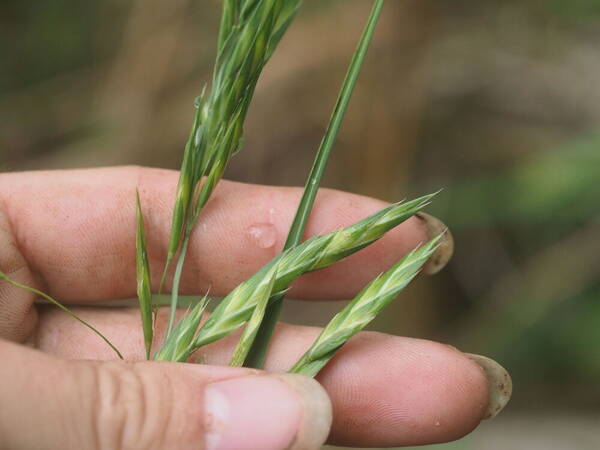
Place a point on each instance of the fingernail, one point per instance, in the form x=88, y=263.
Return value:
x=499, y=384
x=281, y=411
x=434, y=228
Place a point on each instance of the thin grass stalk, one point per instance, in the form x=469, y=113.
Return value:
x=258, y=351
x=252, y=326
x=363, y=309
x=253, y=30
x=144, y=283
x=314, y=254
x=175, y=287
x=56, y=303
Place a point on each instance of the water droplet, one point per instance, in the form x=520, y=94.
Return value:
x=264, y=235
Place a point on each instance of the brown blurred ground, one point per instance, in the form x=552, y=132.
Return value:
x=495, y=101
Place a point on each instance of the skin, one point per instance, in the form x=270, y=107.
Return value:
x=71, y=234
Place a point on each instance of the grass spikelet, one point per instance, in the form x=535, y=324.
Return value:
x=56, y=303
x=185, y=187
x=316, y=253
x=176, y=346
x=363, y=309
x=229, y=18
x=244, y=344
x=144, y=292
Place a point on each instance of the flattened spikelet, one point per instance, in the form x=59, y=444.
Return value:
x=144, y=284
x=176, y=346
x=363, y=309
x=263, y=293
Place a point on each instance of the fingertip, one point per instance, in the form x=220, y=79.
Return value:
x=399, y=391
x=267, y=412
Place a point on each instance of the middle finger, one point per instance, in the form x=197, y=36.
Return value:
x=385, y=390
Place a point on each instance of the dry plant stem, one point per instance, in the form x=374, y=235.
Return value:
x=314, y=254
x=363, y=309
x=258, y=351
x=144, y=283
x=252, y=30
x=9, y=280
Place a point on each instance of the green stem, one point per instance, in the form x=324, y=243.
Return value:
x=259, y=349
x=204, y=195
x=61, y=306
x=175, y=287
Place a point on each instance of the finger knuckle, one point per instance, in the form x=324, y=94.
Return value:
x=131, y=409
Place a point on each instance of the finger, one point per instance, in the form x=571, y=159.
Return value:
x=18, y=316
x=76, y=230
x=52, y=403
x=385, y=390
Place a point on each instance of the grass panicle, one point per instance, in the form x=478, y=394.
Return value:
x=144, y=283
x=251, y=31
x=56, y=303
x=314, y=254
x=176, y=346
x=259, y=349
x=363, y=309
x=251, y=329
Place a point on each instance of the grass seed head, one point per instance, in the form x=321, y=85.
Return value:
x=316, y=253
x=144, y=292
x=177, y=345
x=363, y=309
x=251, y=29
x=263, y=293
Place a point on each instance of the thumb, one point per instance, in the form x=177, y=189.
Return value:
x=53, y=403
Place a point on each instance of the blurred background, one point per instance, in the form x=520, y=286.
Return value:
x=496, y=101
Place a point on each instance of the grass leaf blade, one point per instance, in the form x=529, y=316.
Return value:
x=259, y=349
x=56, y=303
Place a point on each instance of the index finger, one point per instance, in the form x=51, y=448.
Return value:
x=76, y=230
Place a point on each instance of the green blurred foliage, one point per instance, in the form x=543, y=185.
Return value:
x=557, y=187
x=44, y=39
x=583, y=10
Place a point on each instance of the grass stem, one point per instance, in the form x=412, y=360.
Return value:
x=56, y=303
x=258, y=351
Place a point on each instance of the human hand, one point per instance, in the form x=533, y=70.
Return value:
x=72, y=234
